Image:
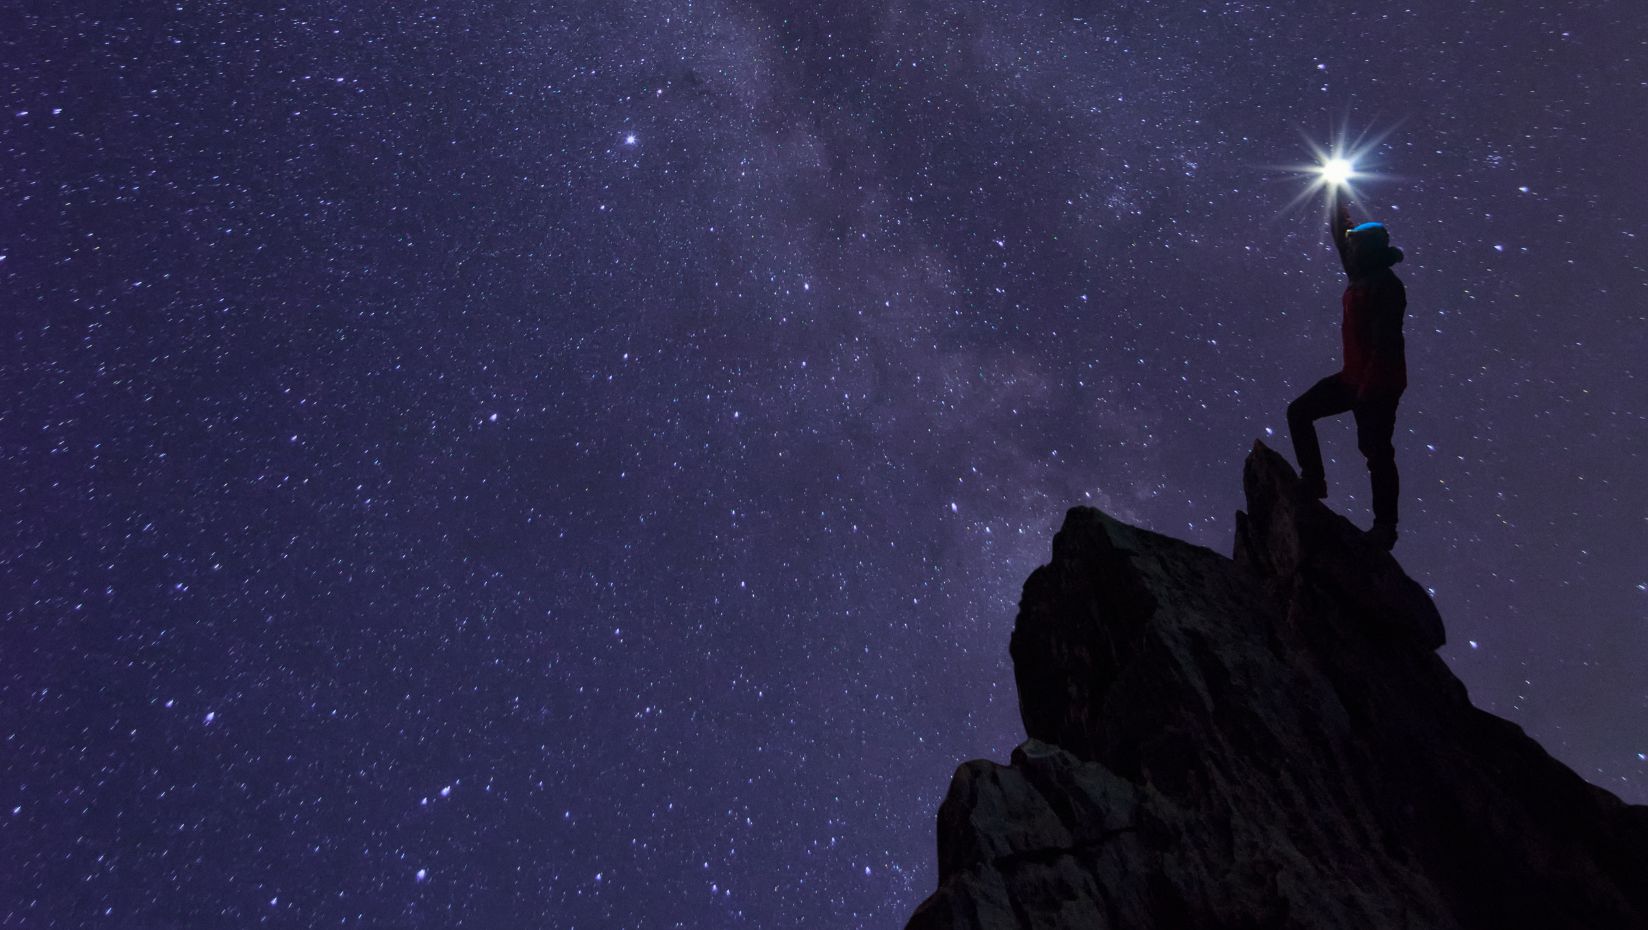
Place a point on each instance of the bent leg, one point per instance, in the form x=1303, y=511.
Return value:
x=1375, y=425
x=1324, y=399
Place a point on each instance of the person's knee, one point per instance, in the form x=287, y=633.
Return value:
x=1298, y=414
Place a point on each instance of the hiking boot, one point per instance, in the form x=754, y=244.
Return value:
x=1383, y=535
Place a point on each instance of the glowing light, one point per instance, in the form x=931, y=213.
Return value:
x=1342, y=165
x=1337, y=171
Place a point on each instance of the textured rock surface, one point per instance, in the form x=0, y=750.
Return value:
x=1264, y=741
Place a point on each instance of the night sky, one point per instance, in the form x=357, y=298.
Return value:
x=503, y=465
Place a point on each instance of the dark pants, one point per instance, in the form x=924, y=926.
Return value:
x=1375, y=422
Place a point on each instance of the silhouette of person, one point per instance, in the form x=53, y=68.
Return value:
x=1375, y=370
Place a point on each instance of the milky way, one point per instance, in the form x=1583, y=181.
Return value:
x=496, y=465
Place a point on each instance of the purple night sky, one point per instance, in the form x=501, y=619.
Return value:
x=508, y=465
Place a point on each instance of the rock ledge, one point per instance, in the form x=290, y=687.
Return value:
x=1267, y=740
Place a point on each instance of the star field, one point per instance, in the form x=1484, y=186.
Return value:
x=493, y=465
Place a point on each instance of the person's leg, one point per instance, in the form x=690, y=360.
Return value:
x=1375, y=425
x=1324, y=399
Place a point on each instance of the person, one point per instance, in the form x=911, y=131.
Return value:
x=1375, y=371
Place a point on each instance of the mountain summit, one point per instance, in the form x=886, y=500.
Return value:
x=1264, y=741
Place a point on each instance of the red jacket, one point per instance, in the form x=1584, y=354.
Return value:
x=1374, y=360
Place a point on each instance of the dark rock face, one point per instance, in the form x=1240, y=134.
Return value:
x=1264, y=741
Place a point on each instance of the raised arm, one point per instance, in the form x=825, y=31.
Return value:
x=1339, y=224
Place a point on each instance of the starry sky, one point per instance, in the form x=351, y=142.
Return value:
x=573, y=465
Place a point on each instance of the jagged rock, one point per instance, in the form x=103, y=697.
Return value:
x=1264, y=741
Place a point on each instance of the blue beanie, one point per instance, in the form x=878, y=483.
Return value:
x=1374, y=231
x=1377, y=234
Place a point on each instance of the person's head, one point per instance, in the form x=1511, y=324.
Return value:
x=1370, y=248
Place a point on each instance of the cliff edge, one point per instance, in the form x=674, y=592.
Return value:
x=1264, y=741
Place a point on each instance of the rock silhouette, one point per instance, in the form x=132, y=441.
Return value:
x=1264, y=741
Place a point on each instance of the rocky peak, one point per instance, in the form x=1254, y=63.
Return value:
x=1267, y=740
